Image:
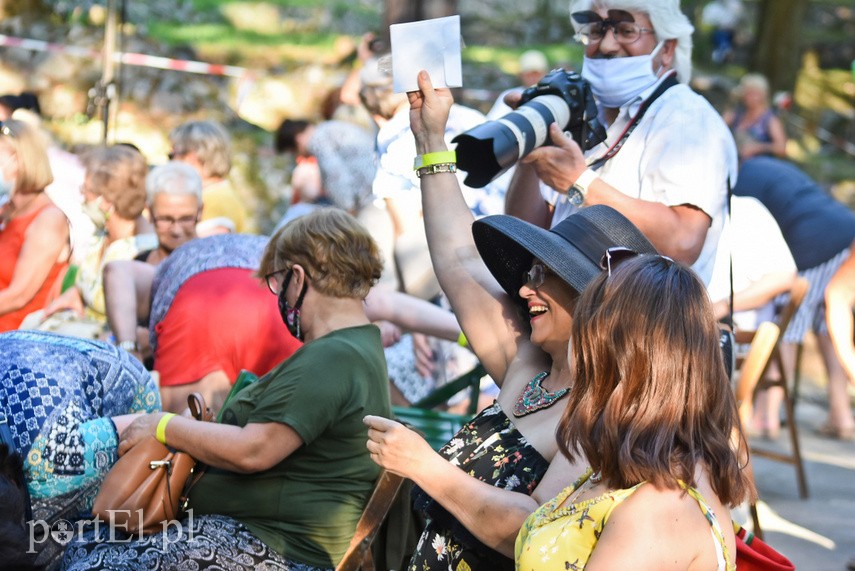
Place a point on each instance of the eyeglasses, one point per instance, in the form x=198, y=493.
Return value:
x=535, y=277
x=614, y=256
x=274, y=285
x=6, y=131
x=164, y=222
x=594, y=27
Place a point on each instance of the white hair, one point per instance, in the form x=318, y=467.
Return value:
x=175, y=178
x=669, y=22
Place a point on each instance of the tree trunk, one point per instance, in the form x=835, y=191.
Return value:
x=778, y=47
x=398, y=11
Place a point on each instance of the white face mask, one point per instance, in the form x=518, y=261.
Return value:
x=616, y=81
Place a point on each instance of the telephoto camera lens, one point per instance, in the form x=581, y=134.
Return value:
x=489, y=149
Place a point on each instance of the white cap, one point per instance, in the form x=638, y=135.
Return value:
x=533, y=60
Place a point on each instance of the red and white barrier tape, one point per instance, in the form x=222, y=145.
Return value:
x=129, y=58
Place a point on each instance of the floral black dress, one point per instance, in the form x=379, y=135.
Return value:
x=491, y=449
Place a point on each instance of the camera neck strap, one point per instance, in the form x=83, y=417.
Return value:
x=666, y=84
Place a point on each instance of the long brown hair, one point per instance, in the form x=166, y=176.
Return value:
x=652, y=398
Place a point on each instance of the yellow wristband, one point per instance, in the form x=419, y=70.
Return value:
x=429, y=159
x=160, y=433
x=461, y=340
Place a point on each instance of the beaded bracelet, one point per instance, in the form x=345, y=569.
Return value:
x=436, y=169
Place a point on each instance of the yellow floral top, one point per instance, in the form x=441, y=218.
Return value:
x=563, y=538
x=89, y=279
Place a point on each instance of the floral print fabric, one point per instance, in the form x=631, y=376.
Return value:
x=491, y=449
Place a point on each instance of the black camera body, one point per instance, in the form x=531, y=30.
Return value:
x=491, y=148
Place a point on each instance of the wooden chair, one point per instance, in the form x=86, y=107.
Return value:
x=797, y=294
x=358, y=555
x=753, y=366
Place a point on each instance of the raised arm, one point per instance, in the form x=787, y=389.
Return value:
x=485, y=312
x=524, y=200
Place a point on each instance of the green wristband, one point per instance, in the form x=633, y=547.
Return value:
x=160, y=432
x=461, y=340
x=436, y=158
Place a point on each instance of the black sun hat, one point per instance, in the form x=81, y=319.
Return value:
x=573, y=249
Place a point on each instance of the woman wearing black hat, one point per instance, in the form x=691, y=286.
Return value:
x=512, y=285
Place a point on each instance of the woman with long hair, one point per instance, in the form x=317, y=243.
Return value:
x=653, y=414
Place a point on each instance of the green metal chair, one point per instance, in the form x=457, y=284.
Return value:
x=438, y=426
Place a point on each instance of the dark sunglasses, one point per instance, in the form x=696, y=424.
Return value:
x=616, y=255
x=535, y=277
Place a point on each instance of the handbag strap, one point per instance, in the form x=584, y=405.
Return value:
x=199, y=411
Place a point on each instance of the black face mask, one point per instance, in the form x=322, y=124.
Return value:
x=291, y=315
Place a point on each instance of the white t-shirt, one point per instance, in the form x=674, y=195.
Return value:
x=681, y=152
x=758, y=249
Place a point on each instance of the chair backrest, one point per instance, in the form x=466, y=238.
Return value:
x=470, y=379
x=797, y=294
x=753, y=367
x=385, y=491
x=435, y=426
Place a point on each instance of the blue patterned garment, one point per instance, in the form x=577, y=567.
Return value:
x=197, y=256
x=59, y=394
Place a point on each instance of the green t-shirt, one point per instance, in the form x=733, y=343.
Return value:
x=306, y=507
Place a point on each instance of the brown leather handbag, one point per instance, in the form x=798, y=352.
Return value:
x=147, y=485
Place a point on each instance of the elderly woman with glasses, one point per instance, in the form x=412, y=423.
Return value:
x=288, y=474
x=653, y=414
x=34, y=233
x=512, y=286
x=114, y=191
x=668, y=156
x=174, y=199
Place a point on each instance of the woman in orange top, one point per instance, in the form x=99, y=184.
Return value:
x=34, y=236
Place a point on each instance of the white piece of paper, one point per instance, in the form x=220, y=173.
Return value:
x=430, y=45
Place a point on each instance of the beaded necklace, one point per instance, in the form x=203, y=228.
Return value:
x=534, y=397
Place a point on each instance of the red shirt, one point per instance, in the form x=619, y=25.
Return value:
x=223, y=319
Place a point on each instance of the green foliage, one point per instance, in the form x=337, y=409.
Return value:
x=226, y=35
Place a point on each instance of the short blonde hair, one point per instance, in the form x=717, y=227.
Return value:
x=335, y=249
x=34, y=172
x=118, y=174
x=753, y=81
x=209, y=141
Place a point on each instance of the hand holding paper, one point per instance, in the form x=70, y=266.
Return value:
x=432, y=45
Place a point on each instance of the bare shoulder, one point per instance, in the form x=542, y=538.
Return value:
x=51, y=218
x=656, y=528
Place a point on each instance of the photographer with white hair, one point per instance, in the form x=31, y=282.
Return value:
x=668, y=155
